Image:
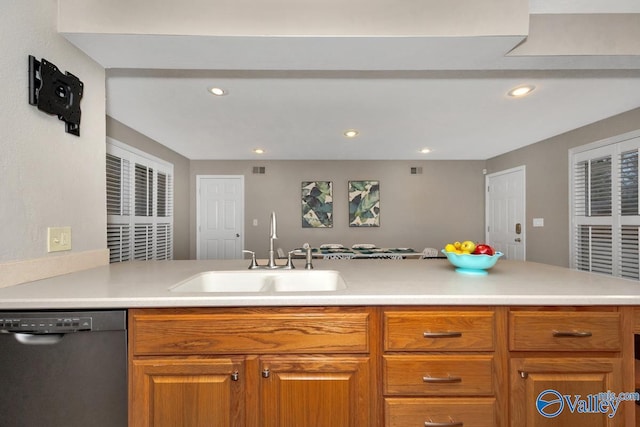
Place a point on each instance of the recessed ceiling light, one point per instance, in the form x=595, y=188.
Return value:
x=351, y=133
x=217, y=91
x=425, y=150
x=521, y=91
x=258, y=151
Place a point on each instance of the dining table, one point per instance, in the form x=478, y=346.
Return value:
x=324, y=252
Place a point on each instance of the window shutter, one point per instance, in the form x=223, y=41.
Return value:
x=594, y=250
x=165, y=195
x=143, y=190
x=139, y=206
x=605, y=209
x=119, y=242
x=629, y=250
x=118, y=197
x=629, y=266
x=143, y=242
x=164, y=242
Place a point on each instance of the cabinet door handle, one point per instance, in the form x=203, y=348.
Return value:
x=442, y=380
x=451, y=423
x=442, y=334
x=266, y=373
x=235, y=376
x=572, y=334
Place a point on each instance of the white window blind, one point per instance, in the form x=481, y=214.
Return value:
x=605, y=213
x=139, y=205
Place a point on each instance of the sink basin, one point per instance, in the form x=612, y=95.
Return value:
x=226, y=281
x=308, y=281
x=263, y=281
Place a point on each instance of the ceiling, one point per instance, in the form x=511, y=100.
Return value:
x=294, y=96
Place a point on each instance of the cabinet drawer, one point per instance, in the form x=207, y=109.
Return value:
x=564, y=331
x=438, y=375
x=439, y=330
x=470, y=412
x=256, y=331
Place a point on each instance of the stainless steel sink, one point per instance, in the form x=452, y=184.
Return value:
x=262, y=281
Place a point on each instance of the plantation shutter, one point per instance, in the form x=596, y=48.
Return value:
x=139, y=205
x=605, y=217
x=164, y=243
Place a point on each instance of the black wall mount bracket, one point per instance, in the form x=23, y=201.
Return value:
x=55, y=93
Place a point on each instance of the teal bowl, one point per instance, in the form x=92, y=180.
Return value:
x=472, y=264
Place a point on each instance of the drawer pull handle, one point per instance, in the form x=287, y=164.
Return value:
x=451, y=423
x=235, y=376
x=442, y=380
x=572, y=334
x=442, y=334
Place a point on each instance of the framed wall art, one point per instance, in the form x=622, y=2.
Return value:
x=364, y=203
x=317, y=204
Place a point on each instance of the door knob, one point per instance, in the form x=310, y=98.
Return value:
x=237, y=235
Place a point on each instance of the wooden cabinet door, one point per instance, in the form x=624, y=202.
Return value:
x=315, y=391
x=187, y=393
x=566, y=390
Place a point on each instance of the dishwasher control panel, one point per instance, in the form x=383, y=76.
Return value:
x=45, y=325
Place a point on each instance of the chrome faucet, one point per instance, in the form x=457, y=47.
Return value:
x=271, y=264
x=308, y=264
x=272, y=236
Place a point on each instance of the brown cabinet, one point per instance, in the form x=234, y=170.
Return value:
x=199, y=392
x=251, y=367
x=379, y=366
x=315, y=391
x=561, y=362
x=440, y=367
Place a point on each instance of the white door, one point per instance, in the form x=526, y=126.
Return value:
x=220, y=216
x=505, y=212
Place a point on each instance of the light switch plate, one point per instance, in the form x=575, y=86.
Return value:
x=538, y=222
x=58, y=239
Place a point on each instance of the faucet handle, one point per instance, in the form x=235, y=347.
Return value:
x=289, y=261
x=253, y=264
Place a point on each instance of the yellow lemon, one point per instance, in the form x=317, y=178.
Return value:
x=457, y=245
x=449, y=248
x=468, y=246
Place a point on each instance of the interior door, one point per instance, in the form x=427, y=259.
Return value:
x=220, y=216
x=505, y=212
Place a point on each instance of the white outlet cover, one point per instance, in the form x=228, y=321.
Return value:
x=538, y=222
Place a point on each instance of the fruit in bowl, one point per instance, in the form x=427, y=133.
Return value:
x=477, y=261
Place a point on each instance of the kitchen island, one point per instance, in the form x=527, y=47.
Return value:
x=369, y=282
x=406, y=342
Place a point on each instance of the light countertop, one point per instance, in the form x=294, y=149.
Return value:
x=369, y=282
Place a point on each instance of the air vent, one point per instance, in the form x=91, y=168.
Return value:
x=260, y=170
x=416, y=171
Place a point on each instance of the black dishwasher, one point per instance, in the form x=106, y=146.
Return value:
x=63, y=369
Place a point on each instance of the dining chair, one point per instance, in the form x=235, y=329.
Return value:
x=429, y=253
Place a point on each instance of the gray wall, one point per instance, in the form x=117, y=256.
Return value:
x=444, y=203
x=125, y=134
x=547, y=183
x=49, y=177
